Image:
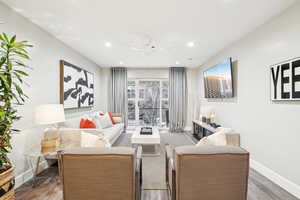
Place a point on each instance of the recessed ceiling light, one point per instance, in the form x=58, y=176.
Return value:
x=121, y=63
x=190, y=44
x=177, y=62
x=107, y=44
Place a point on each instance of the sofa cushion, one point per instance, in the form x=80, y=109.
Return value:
x=72, y=123
x=70, y=137
x=111, y=132
x=91, y=140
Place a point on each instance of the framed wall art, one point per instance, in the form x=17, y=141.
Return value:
x=285, y=80
x=76, y=86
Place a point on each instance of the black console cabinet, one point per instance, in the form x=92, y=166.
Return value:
x=201, y=129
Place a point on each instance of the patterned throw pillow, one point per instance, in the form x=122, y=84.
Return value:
x=105, y=121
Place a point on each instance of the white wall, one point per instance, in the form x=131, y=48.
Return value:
x=149, y=73
x=269, y=130
x=44, y=82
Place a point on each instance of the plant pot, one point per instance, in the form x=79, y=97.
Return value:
x=7, y=183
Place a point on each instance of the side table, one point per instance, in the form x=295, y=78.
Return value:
x=35, y=166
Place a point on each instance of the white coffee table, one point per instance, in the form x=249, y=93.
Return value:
x=147, y=141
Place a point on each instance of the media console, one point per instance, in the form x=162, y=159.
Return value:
x=202, y=129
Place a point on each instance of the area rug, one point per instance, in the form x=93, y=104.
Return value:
x=154, y=166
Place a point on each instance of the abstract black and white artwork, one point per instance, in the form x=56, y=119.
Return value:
x=285, y=80
x=77, y=86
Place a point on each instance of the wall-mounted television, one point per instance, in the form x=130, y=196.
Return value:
x=218, y=80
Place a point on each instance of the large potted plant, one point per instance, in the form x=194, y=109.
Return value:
x=12, y=55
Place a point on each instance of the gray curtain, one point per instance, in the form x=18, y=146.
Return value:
x=118, y=103
x=177, y=98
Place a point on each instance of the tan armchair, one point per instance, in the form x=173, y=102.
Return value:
x=207, y=172
x=101, y=173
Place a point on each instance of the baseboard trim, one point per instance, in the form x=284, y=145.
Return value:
x=286, y=184
x=27, y=175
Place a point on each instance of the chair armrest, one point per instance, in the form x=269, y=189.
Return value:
x=138, y=174
x=169, y=157
x=60, y=165
x=139, y=151
x=233, y=139
x=169, y=151
x=171, y=184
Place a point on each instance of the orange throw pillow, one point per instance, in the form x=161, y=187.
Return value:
x=85, y=123
x=81, y=123
x=111, y=118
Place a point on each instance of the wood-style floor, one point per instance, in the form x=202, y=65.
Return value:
x=48, y=188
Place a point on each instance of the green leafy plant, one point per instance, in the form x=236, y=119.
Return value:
x=12, y=55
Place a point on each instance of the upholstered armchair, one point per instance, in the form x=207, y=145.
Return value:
x=101, y=173
x=207, y=172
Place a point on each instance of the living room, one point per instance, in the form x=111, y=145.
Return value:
x=195, y=100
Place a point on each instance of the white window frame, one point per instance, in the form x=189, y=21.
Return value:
x=137, y=96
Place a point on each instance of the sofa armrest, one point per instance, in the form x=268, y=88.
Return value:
x=116, y=114
x=233, y=139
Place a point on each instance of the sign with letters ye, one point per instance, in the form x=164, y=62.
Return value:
x=285, y=80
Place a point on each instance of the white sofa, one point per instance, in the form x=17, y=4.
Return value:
x=69, y=132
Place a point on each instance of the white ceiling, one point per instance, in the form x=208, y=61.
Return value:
x=134, y=26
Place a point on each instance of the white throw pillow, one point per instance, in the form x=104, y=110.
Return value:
x=105, y=121
x=90, y=140
x=217, y=139
x=224, y=130
x=96, y=120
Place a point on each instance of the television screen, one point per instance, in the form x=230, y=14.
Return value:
x=218, y=80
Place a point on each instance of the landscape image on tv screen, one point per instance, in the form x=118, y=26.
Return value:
x=218, y=81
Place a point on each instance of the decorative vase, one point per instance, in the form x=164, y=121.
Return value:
x=7, y=183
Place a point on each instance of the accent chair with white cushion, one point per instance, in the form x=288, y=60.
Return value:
x=101, y=173
x=207, y=172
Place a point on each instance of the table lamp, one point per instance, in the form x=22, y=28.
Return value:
x=50, y=114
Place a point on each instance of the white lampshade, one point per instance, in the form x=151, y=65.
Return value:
x=49, y=114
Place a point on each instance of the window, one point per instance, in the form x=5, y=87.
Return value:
x=148, y=102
